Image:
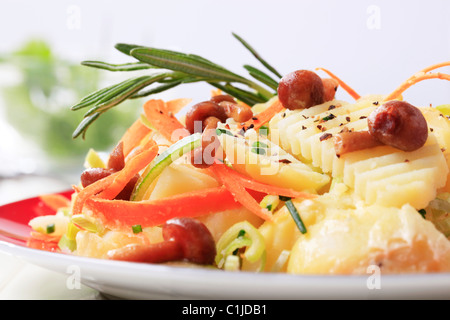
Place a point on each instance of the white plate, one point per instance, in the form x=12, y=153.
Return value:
x=144, y=281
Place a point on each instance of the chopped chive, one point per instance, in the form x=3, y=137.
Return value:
x=137, y=228
x=220, y=131
x=296, y=216
x=422, y=212
x=259, y=151
x=241, y=233
x=264, y=130
x=329, y=117
x=50, y=228
x=259, y=144
x=269, y=207
x=259, y=147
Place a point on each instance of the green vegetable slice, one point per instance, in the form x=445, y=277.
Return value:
x=174, y=152
x=241, y=235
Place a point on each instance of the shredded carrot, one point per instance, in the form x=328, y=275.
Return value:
x=238, y=190
x=415, y=79
x=262, y=118
x=133, y=136
x=216, y=92
x=55, y=201
x=175, y=106
x=164, y=122
x=344, y=86
x=420, y=76
x=120, y=215
x=436, y=66
x=222, y=170
x=90, y=191
x=132, y=167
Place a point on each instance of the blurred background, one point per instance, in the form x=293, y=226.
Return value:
x=372, y=45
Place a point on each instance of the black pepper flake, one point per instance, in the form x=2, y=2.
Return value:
x=332, y=107
x=303, y=127
x=242, y=131
x=325, y=136
x=363, y=117
x=254, y=118
x=319, y=127
x=348, y=119
x=251, y=126
x=375, y=103
x=283, y=115
x=431, y=129
x=304, y=116
x=160, y=111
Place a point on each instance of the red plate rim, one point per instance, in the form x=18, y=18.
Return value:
x=15, y=216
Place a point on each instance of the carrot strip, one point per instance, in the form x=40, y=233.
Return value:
x=436, y=66
x=239, y=191
x=119, y=214
x=344, y=86
x=133, y=136
x=264, y=117
x=413, y=80
x=176, y=105
x=165, y=123
x=132, y=167
x=221, y=170
x=90, y=191
x=55, y=201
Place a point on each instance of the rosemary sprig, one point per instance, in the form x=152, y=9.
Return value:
x=257, y=56
x=172, y=69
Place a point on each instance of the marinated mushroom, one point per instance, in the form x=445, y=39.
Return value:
x=399, y=124
x=301, y=89
x=184, y=239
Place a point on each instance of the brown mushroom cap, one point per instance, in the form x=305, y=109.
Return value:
x=201, y=111
x=194, y=238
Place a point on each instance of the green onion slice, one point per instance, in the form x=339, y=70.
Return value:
x=242, y=235
x=174, y=152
